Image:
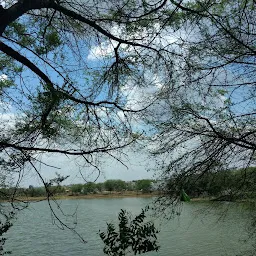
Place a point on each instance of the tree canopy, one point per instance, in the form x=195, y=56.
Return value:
x=69, y=72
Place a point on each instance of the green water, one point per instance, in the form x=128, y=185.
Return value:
x=200, y=229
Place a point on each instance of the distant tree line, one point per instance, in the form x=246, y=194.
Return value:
x=144, y=186
x=222, y=185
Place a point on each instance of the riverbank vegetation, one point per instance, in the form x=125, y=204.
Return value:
x=225, y=185
x=108, y=188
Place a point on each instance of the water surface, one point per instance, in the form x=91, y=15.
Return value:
x=200, y=230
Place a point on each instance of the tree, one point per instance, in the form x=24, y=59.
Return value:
x=89, y=187
x=144, y=185
x=99, y=186
x=36, y=192
x=133, y=234
x=205, y=121
x=114, y=185
x=76, y=188
x=5, y=225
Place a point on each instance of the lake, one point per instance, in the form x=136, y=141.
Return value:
x=221, y=231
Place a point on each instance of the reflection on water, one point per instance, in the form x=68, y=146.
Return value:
x=201, y=229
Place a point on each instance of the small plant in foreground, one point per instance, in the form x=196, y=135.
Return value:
x=134, y=235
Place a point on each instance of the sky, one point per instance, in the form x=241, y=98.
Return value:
x=135, y=167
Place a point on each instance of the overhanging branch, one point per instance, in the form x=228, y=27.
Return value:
x=23, y=60
x=60, y=151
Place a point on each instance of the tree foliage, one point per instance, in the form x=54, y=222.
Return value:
x=205, y=123
x=115, y=185
x=144, y=185
x=133, y=235
x=5, y=225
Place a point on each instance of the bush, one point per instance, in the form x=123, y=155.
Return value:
x=133, y=235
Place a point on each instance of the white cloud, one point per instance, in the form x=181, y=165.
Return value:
x=140, y=97
x=3, y=77
x=106, y=48
x=101, y=51
x=7, y=3
x=165, y=38
x=7, y=116
x=2, y=3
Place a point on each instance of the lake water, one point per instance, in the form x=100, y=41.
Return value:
x=217, y=233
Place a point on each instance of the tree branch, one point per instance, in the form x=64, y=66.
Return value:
x=18, y=9
x=23, y=60
x=59, y=151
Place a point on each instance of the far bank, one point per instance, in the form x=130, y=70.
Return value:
x=89, y=196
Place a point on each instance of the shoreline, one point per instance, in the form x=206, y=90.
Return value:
x=89, y=196
x=110, y=196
